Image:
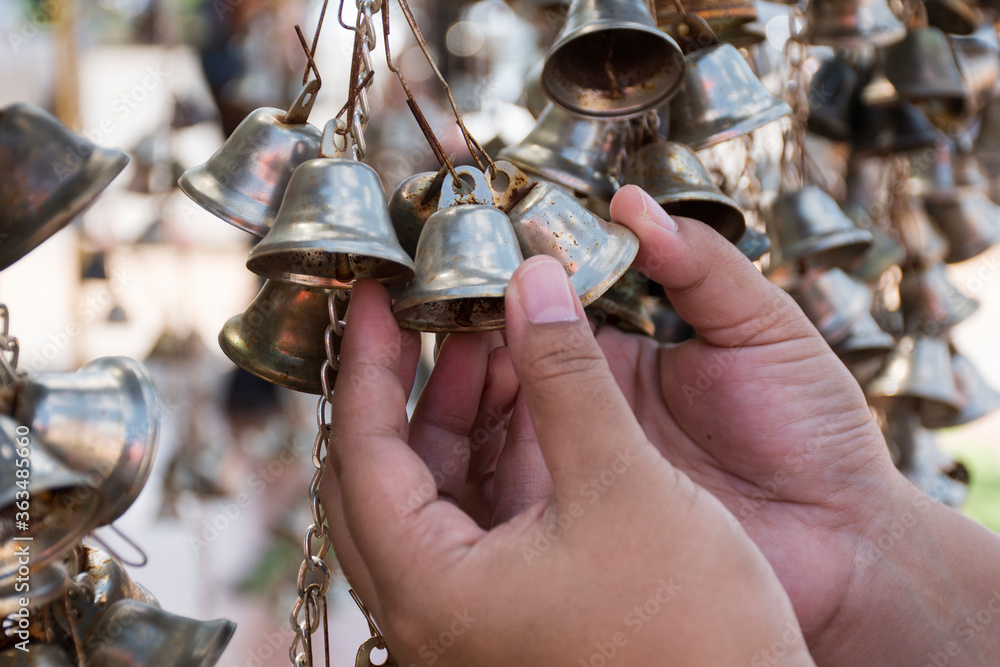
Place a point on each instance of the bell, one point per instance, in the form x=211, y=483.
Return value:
x=954, y=17
x=624, y=305
x=833, y=301
x=928, y=298
x=978, y=58
x=885, y=129
x=595, y=253
x=411, y=204
x=62, y=506
x=806, y=225
x=921, y=460
x=922, y=67
x=676, y=179
x=932, y=173
x=721, y=98
x=611, y=61
x=831, y=93
x=280, y=336
x=847, y=24
x=47, y=584
x=754, y=244
x=919, y=234
x=865, y=340
x=244, y=181
x=576, y=153
x=535, y=99
x=917, y=377
x=50, y=175
x=102, y=420
x=970, y=222
x=987, y=144
x=111, y=581
x=332, y=229
x=154, y=637
x=466, y=256
x=978, y=397
x=40, y=655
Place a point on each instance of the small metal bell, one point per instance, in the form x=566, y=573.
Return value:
x=806, y=225
x=721, y=97
x=884, y=129
x=978, y=58
x=865, y=340
x=611, y=61
x=851, y=23
x=111, y=580
x=927, y=296
x=954, y=17
x=155, y=637
x=969, y=221
x=577, y=153
x=332, y=229
x=624, y=305
x=978, y=397
x=919, y=234
x=466, y=256
x=51, y=174
x=922, y=68
x=103, y=420
x=918, y=377
x=754, y=244
x=932, y=176
x=280, y=336
x=831, y=94
x=535, y=99
x=548, y=220
x=921, y=460
x=411, y=204
x=833, y=301
x=676, y=179
x=244, y=181
x=63, y=506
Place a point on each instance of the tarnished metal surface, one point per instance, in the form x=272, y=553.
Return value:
x=279, y=337
x=884, y=129
x=865, y=340
x=41, y=655
x=720, y=14
x=969, y=220
x=922, y=67
x=332, y=229
x=624, y=305
x=851, y=23
x=978, y=398
x=833, y=301
x=48, y=583
x=917, y=377
x=831, y=94
x=50, y=175
x=807, y=225
x=611, y=61
x=928, y=298
x=412, y=203
x=509, y=185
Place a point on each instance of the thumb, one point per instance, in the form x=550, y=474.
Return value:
x=582, y=420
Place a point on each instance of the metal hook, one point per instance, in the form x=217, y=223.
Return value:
x=372, y=626
x=127, y=540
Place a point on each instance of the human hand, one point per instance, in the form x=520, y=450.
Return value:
x=615, y=552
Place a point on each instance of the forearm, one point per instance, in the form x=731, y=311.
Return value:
x=926, y=591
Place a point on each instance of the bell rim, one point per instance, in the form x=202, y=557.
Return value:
x=193, y=183
x=589, y=293
x=411, y=304
x=571, y=175
x=777, y=110
x=103, y=167
x=731, y=215
x=233, y=350
x=848, y=243
x=257, y=262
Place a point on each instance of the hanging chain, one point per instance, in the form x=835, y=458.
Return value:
x=793, y=166
x=362, y=72
x=314, y=578
x=8, y=349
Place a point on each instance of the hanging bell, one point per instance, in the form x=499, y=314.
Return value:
x=807, y=226
x=932, y=173
x=466, y=256
x=921, y=460
x=833, y=301
x=917, y=377
x=865, y=340
x=676, y=179
x=332, y=229
x=954, y=17
x=102, y=420
x=885, y=129
x=624, y=305
x=51, y=174
x=928, y=298
x=244, y=181
x=987, y=144
x=155, y=637
x=576, y=153
x=847, y=24
x=548, y=220
x=535, y=99
x=919, y=234
x=923, y=69
x=62, y=505
x=978, y=397
x=969, y=221
x=611, y=61
x=280, y=336
x=754, y=244
x=831, y=94
x=978, y=58
x=721, y=97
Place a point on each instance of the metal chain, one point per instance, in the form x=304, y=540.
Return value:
x=362, y=111
x=314, y=578
x=9, y=349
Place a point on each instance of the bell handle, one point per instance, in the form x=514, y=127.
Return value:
x=336, y=141
x=478, y=192
x=299, y=112
x=700, y=35
x=508, y=183
x=143, y=559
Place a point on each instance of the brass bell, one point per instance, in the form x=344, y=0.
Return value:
x=62, y=505
x=280, y=336
x=611, y=61
x=721, y=97
x=411, y=204
x=851, y=23
x=969, y=221
x=885, y=129
x=548, y=220
x=806, y=225
x=978, y=397
x=244, y=181
x=332, y=229
x=51, y=174
x=155, y=637
x=466, y=256
x=865, y=340
x=831, y=94
x=576, y=153
x=917, y=377
x=676, y=179
x=833, y=301
x=624, y=305
x=919, y=234
x=754, y=244
x=928, y=298
x=103, y=421
x=922, y=68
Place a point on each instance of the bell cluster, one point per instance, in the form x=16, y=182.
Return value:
x=76, y=448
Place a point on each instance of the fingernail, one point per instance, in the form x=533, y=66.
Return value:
x=655, y=212
x=545, y=292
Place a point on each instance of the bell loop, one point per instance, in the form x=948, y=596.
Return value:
x=298, y=113
x=463, y=192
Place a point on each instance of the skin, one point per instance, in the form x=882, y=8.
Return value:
x=552, y=484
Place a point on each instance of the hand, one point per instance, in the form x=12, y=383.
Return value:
x=615, y=554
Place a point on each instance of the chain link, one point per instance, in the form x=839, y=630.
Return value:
x=362, y=110
x=9, y=349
